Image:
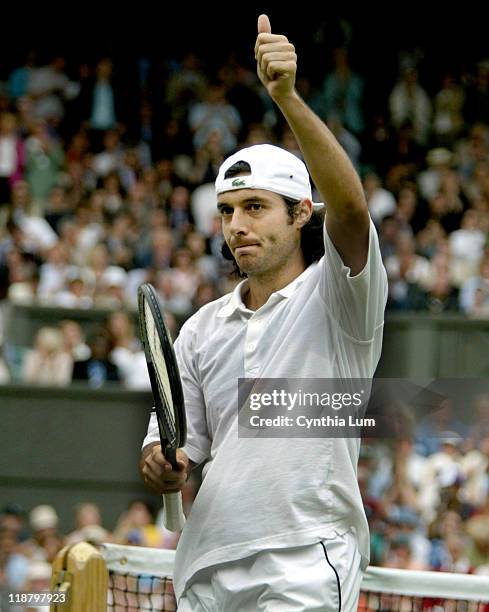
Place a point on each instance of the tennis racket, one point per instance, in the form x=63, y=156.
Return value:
x=167, y=392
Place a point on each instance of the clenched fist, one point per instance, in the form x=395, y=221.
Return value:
x=276, y=60
x=157, y=472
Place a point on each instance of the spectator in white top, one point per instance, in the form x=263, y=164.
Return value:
x=429, y=181
x=127, y=353
x=381, y=202
x=467, y=243
x=54, y=273
x=37, y=234
x=48, y=363
x=77, y=293
x=11, y=155
x=110, y=158
x=442, y=469
x=474, y=295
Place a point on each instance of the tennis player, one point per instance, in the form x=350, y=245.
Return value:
x=278, y=524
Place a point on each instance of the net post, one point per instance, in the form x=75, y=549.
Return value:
x=80, y=572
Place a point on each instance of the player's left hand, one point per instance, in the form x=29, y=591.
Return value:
x=276, y=60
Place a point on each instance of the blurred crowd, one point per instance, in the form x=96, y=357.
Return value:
x=107, y=182
x=425, y=496
x=30, y=541
x=426, y=490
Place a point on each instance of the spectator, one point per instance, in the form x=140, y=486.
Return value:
x=477, y=528
x=88, y=525
x=474, y=295
x=467, y=243
x=442, y=477
x=77, y=291
x=137, y=527
x=110, y=158
x=43, y=521
x=408, y=101
x=54, y=273
x=185, y=271
x=49, y=87
x=98, y=369
x=127, y=352
x=439, y=161
x=448, y=120
x=12, y=156
x=215, y=113
x=343, y=93
x=44, y=161
x=475, y=466
x=473, y=149
x=18, y=81
x=206, y=263
x=407, y=273
x=185, y=86
x=48, y=363
x=381, y=202
x=180, y=215
x=73, y=340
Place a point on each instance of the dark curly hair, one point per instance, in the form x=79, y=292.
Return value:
x=312, y=243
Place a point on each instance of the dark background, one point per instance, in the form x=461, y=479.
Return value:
x=449, y=37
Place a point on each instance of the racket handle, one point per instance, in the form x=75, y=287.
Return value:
x=173, y=517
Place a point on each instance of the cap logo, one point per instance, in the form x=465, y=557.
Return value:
x=238, y=183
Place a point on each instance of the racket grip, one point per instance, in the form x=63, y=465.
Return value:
x=173, y=516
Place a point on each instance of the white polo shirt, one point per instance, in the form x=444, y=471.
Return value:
x=275, y=493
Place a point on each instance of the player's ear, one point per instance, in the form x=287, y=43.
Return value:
x=303, y=212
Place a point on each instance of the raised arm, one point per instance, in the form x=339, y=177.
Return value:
x=347, y=220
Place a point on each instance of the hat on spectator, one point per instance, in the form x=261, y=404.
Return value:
x=272, y=168
x=451, y=437
x=439, y=156
x=43, y=517
x=12, y=508
x=114, y=277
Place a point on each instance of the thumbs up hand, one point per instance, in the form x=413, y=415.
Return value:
x=276, y=60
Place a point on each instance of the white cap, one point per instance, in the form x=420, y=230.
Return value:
x=114, y=276
x=43, y=517
x=272, y=168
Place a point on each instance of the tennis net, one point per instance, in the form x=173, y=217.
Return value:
x=141, y=579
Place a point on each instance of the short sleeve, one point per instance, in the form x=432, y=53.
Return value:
x=356, y=303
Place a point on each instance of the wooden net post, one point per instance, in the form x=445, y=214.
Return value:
x=79, y=571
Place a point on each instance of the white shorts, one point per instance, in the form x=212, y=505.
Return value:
x=322, y=577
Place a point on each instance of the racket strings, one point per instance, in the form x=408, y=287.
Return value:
x=162, y=376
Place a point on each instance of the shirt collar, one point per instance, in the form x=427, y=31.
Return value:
x=235, y=301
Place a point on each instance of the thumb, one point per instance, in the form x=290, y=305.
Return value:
x=264, y=26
